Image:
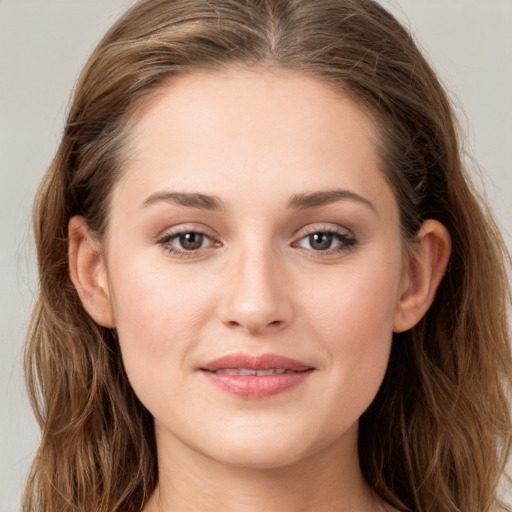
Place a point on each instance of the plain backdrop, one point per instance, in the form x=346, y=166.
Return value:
x=44, y=44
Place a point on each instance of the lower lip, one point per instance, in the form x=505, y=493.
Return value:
x=253, y=386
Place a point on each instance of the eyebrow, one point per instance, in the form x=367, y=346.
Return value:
x=192, y=200
x=296, y=202
x=315, y=199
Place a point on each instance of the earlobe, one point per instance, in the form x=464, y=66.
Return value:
x=424, y=270
x=88, y=272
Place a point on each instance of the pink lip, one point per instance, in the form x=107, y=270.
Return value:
x=256, y=386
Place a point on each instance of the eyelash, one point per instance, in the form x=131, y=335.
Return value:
x=346, y=242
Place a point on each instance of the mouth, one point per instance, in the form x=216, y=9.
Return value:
x=256, y=376
x=254, y=373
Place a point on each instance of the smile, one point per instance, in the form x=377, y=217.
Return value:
x=255, y=376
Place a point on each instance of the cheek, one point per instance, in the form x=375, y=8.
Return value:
x=157, y=312
x=356, y=300
x=352, y=314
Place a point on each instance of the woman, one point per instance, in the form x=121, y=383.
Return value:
x=266, y=281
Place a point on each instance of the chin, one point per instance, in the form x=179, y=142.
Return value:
x=269, y=448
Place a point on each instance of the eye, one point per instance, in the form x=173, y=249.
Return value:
x=186, y=242
x=326, y=242
x=190, y=241
x=319, y=241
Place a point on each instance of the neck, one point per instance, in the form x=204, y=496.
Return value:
x=327, y=480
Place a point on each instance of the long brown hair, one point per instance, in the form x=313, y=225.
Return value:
x=437, y=434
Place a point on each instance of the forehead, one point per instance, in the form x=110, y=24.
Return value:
x=265, y=131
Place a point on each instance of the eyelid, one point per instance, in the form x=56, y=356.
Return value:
x=323, y=228
x=181, y=228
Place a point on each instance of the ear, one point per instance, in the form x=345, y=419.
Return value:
x=423, y=272
x=88, y=272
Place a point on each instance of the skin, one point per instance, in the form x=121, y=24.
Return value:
x=254, y=140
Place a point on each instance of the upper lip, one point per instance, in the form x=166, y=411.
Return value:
x=255, y=362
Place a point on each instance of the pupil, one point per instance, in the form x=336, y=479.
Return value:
x=191, y=241
x=320, y=241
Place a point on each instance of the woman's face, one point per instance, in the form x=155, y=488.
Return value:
x=254, y=268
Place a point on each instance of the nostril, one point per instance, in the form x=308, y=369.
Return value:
x=254, y=327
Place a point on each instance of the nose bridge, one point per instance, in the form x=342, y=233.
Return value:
x=255, y=297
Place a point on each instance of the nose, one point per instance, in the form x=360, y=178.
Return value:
x=255, y=297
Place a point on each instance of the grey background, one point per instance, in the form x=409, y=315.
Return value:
x=44, y=44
